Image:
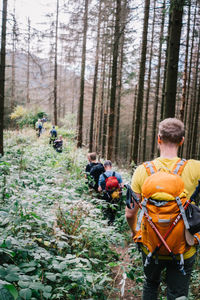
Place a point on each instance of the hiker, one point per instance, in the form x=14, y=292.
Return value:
x=58, y=144
x=43, y=120
x=93, y=170
x=170, y=138
x=110, y=183
x=53, y=135
x=38, y=127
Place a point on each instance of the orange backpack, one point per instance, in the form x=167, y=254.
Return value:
x=163, y=198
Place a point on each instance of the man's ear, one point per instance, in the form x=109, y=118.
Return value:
x=181, y=142
x=159, y=139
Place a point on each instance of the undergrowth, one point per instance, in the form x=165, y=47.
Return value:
x=54, y=241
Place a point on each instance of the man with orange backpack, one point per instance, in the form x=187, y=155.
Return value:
x=110, y=182
x=162, y=232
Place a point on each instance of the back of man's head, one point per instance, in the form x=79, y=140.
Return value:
x=171, y=130
x=92, y=156
x=107, y=163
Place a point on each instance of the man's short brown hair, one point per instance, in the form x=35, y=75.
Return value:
x=92, y=156
x=171, y=130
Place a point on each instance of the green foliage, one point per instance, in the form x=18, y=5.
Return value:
x=54, y=243
x=24, y=117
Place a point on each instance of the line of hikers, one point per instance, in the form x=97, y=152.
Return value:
x=167, y=229
x=56, y=141
x=104, y=180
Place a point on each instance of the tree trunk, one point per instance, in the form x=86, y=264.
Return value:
x=102, y=93
x=105, y=118
x=114, y=81
x=182, y=109
x=13, y=87
x=164, y=76
x=148, y=87
x=133, y=123
x=175, y=25
x=82, y=83
x=196, y=127
x=187, y=115
x=95, y=81
x=193, y=107
x=155, y=109
x=141, y=82
x=120, y=72
x=55, y=106
x=2, y=73
x=28, y=63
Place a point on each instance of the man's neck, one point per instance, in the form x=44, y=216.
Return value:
x=168, y=151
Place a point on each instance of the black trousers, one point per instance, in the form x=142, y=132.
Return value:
x=177, y=283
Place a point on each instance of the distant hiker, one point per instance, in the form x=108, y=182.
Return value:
x=43, y=120
x=110, y=183
x=38, y=127
x=53, y=135
x=58, y=144
x=163, y=200
x=93, y=170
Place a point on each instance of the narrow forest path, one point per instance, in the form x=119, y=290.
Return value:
x=122, y=285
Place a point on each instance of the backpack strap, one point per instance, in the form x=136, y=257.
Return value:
x=179, y=166
x=197, y=237
x=113, y=173
x=178, y=200
x=143, y=210
x=150, y=167
x=104, y=175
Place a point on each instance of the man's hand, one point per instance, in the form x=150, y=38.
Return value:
x=99, y=189
x=131, y=216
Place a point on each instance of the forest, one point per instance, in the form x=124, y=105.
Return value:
x=104, y=73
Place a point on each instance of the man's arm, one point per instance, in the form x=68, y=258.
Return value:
x=131, y=216
x=100, y=184
x=119, y=178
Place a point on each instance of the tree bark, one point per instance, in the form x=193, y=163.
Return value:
x=133, y=123
x=120, y=72
x=28, y=64
x=155, y=109
x=175, y=26
x=196, y=126
x=148, y=87
x=2, y=73
x=183, y=100
x=187, y=114
x=82, y=83
x=55, y=106
x=141, y=82
x=13, y=85
x=114, y=81
x=193, y=106
x=95, y=81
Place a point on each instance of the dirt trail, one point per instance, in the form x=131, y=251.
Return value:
x=121, y=283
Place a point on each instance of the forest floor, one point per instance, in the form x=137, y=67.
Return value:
x=118, y=278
